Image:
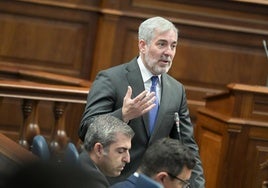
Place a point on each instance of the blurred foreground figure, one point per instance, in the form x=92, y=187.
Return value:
x=52, y=175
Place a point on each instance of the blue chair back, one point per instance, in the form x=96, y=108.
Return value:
x=40, y=147
x=71, y=154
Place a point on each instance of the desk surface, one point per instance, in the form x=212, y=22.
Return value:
x=12, y=155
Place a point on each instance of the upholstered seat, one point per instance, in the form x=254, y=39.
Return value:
x=71, y=154
x=40, y=147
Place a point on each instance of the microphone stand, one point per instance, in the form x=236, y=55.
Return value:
x=177, y=121
x=266, y=52
x=265, y=48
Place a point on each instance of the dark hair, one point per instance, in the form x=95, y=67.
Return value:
x=103, y=129
x=167, y=155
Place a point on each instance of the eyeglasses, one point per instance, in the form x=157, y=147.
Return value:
x=186, y=184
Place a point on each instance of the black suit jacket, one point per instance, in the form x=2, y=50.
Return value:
x=98, y=179
x=106, y=96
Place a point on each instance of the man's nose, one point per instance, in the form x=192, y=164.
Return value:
x=169, y=51
x=126, y=158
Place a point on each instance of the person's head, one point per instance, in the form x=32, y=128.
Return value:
x=168, y=162
x=157, y=44
x=108, y=141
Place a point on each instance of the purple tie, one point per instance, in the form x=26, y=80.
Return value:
x=153, y=112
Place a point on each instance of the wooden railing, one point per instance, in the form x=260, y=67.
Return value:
x=58, y=91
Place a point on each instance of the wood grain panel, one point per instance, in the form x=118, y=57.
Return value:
x=106, y=40
x=217, y=64
x=29, y=40
x=47, y=40
x=260, y=108
x=243, y=159
x=257, y=159
x=211, y=155
x=216, y=46
x=220, y=41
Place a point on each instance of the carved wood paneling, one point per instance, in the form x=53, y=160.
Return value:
x=243, y=138
x=211, y=153
x=220, y=41
x=260, y=108
x=28, y=109
x=49, y=38
x=257, y=157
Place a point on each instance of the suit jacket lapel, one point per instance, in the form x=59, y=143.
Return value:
x=136, y=82
x=134, y=77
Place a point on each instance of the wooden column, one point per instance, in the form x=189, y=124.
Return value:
x=30, y=126
x=59, y=137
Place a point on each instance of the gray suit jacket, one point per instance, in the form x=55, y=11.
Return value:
x=106, y=96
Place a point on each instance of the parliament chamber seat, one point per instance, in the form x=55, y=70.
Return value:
x=40, y=148
x=71, y=154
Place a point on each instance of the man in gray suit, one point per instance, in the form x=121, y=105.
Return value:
x=124, y=92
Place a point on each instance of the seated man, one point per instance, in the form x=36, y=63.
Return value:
x=106, y=147
x=166, y=161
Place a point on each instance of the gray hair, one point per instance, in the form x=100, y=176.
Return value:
x=148, y=27
x=104, y=129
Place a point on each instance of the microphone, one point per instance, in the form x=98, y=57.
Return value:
x=265, y=48
x=266, y=52
x=177, y=121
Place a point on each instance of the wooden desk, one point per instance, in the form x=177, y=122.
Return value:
x=12, y=155
x=233, y=137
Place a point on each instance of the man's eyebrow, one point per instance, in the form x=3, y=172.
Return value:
x=164, y=40
x=124, y=148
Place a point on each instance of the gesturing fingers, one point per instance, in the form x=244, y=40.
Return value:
x=145, y=101
x=137, y=106
x=149, y=104
x=129, y=93
x=140, y=98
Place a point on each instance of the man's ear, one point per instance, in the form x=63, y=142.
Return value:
x=98, y=149
x=161, y=177
x=142, y=46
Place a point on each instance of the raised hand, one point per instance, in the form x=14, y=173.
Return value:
x=133, y=108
